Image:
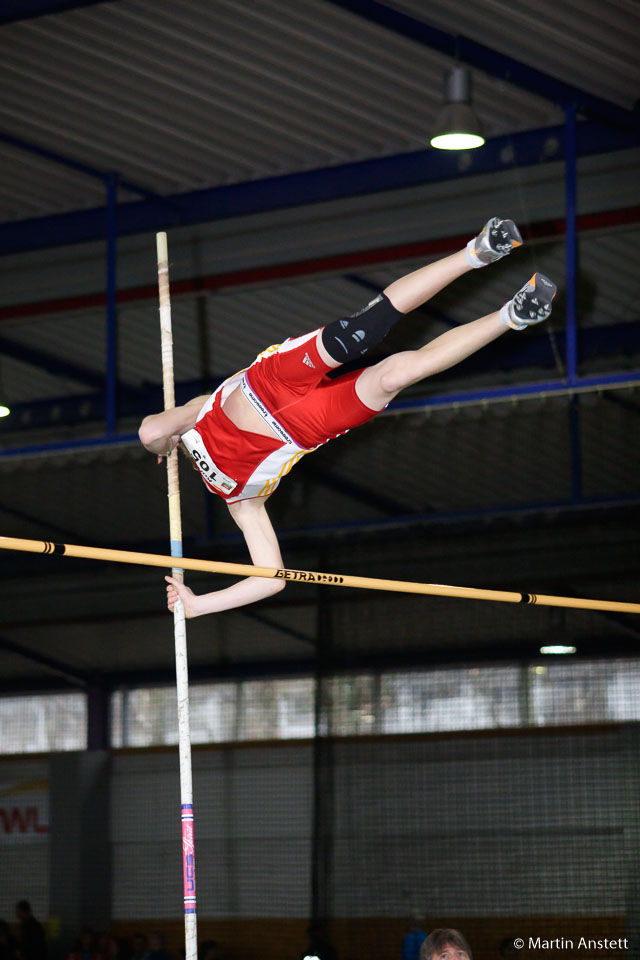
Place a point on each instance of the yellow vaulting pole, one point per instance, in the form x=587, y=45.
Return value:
x=309, y=576
x=179, y=626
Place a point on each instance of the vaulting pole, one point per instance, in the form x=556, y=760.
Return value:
x=308, y=576
x=179, y=626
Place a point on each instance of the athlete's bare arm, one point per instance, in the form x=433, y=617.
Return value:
x=160, y=432
x=252, y=518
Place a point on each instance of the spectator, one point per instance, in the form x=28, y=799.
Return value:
x=209, y=950
x=85, y=948
x=508, y=949
x=157, y=949
x=445, y=944
x=320, y=947
x=8, y=946
x=139, y=947
x=413, y=940
x=31, y=939
x=107, y=947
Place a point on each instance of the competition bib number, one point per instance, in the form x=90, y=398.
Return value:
x=210, y=472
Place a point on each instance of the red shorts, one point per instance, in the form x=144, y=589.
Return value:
x=291, y=391
x=292, y=383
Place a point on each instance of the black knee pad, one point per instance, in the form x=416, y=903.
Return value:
x=351, y=337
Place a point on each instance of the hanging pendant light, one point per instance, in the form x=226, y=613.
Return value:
x=457, y=127
x=4, y=410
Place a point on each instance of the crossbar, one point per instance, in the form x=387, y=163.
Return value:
x=308, y=576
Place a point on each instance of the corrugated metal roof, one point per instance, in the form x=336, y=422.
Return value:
x=589, y=44
x=191, y=94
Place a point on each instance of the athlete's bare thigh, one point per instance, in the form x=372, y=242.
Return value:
x=370, y=386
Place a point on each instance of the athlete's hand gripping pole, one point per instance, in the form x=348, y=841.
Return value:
x=179, y=626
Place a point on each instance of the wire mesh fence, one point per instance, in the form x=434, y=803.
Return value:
x=499, y=798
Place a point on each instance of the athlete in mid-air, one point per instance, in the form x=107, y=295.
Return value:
x=259, y=423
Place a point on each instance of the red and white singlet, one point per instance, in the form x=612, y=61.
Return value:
x=288, y=386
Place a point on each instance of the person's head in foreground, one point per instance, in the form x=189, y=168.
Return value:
x=445, y=944
x=23, y=909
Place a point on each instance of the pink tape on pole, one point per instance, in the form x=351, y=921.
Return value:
x=188, y=859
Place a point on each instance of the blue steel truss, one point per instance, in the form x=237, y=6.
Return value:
x=12, y=10
x=546, y=145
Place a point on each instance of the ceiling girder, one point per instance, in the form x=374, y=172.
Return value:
x=535, y=352
x=590, y=645
x=50, y=664
x=14, y=10
x=499, y=154
x=54, y=157
x=55, y=365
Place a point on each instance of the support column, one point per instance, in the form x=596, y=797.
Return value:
x=631, y=791
x=98, y=717
x=80, y=858
x=111, y=400
x=323, y=779
x=571, y=284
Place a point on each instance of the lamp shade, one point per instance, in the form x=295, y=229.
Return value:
x=4, y=411
x=457, y=127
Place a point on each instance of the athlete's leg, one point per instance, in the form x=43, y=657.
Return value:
x=377, y=385
x=296, y=367
x=351, y=337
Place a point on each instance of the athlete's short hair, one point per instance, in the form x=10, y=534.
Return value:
x=439, y=938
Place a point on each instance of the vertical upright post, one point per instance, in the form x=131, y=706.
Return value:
x=576, y=448
x=98, y=717
x=179, y=626
x=111, y=399
x=571, y=239
x=80, y=858
x=571, y=283
x=630, y=783
x=323, y=781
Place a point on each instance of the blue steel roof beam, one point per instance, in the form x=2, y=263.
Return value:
x=523, y=650
x=71, y=674
x=14, y=10
x=492, y=62
x=324, y=477
x=72, y=164
x=273, y=624
x=42, y=525
x=57, y=366
x=409, y=404
x=313, y=186
x=87, y=408
x=427, y=308
x=597, y=343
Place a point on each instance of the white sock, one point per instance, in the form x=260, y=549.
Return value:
x=508, y=318
x=472, y=260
